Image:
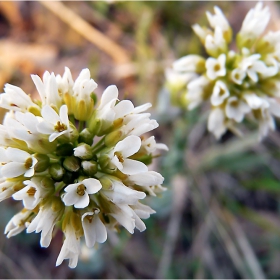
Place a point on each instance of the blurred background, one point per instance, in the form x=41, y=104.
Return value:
x=220, y=215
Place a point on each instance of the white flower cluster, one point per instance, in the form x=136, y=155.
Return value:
x=76, y=163
x=238, y=83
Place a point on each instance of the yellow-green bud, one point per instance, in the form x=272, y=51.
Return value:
x=113, y=138
x=47, y=183
x=94, y=125
x=64, y=150
x=89, y=167
x=103, y=161
x=83, y=151
x=106, y=183
x=43, y=162
x=84, y=109
x=74, y=134
x=56, y=171
x=115, y=125
x=86, y=136
x=57, y=205
x=72, y=164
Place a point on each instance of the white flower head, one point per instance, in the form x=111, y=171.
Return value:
x=220, y=93
x=32, y=193
x=65, y=83
x=48, y=89
x=78, y=194
x=216, y=67
x=82, y=90
x=255, y=102
x=94, y=229
x=71, y=245
x=53, y=124
x=16, y=99
x=20, y=163
x=121, y=194
x=18, y=223
x=124, y=149
x=147, y=180
x=49, y=213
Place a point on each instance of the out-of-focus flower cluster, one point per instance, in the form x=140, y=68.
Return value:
x=76, y=163
x=238, y=83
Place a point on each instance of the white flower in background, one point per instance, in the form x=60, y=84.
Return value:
x=201, y=32
x=238, y=75
x=216, y=122
x=216, y=67
x=94, y=229
x=150, y=145
x=196, y=90
x=254, y=101
x=68, y=159
x=236, y=109
x=78, y=194
x=216, y=43
x=254, y=23
x=189, y=63
x=219, y=20
x=236, y=82
x=220, y=93
x=20, y=163
x=124, y=149
x=53, y=124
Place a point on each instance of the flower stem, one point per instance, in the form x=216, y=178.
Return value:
x=81, y=125
x=98, y=146
x=59, y=187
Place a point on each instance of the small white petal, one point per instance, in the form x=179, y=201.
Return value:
x=131, y=167
x=128, y=146
x=13, y=169
x=92, y=185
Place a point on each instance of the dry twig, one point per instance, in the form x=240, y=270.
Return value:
x=87, y=31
